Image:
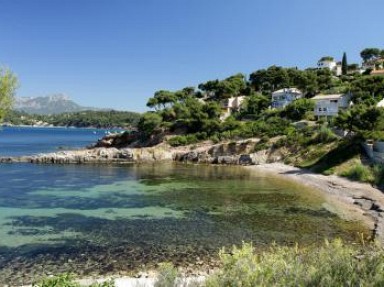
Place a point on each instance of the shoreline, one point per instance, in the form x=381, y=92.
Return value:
x=354, y=200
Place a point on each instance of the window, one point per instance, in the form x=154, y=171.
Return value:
x=334, y=101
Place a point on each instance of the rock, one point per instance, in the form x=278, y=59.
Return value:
x=125, y=153
x=246, y=159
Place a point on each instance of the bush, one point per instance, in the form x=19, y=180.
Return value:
x=67, y=280
x=324, y=135
x=359, y=172
x=183, y=140
x=167, y=277
x=333, y=264
x=378, y=173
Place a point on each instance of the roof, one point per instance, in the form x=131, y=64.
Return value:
x=328, y=97
x=289, y=90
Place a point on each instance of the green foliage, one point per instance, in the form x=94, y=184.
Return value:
x=370, y=54
x=98, y=119
x=255, y=104
x=149, y=122
x=326, y=58
x=378, y=173
x=183, y=140
x=229, y=87
x=64, y=280
x=323, y=135
x=310, y=81
x=344, y=64
x=8, y=85
x=298, y=109
x=367, y=90
x=67, y=280
x=359, y=172
x=361, y=119
x=344, y=150
x=167, y=276
x=333, y=264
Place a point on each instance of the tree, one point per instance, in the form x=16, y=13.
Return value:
x=297, y=109
x=326, y=58
x=370, y=54
x=255, y=104
x=361, y=119
x=344, y=64
x=229, y=87
x=149, y=122
x=8, y=85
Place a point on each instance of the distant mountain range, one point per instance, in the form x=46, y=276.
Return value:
x=52, y=104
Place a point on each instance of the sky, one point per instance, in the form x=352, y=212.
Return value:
x=117, y=53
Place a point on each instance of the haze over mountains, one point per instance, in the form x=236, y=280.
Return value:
x=52, y=104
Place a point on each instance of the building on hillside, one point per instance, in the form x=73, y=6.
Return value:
x=330, y=105
x=326, y=62
x=231, y=105
x=331, y=64
x=283, y=97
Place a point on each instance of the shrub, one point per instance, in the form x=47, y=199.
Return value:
x=378, y=173
x=333, y=264
x=67, y=280
x=183, y=140
x=324, y=135
x=168, y=276
x=359, y=172
x=64, y=280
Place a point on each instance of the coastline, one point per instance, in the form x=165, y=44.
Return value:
x=354, y=200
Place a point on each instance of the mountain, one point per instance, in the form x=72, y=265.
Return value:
x=53, y=104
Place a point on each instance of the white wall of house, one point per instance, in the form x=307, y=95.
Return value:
x=326, y=64
x=330, y=105
x=230, y=105
x=283, y=97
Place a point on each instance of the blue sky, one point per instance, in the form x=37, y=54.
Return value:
x=117, y=53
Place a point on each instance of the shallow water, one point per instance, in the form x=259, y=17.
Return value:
x=91, y=219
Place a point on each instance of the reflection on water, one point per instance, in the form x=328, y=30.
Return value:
x=105, y=219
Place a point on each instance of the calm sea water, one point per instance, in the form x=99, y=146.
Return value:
x=92, y=219
x=16, y=141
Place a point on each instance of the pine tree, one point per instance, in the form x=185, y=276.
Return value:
x=344, y=64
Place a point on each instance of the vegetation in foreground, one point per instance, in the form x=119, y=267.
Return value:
x=330, y=264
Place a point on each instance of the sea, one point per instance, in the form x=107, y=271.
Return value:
x=95, y=220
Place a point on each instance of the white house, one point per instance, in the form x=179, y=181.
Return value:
x=326, y=62
x=283, y=97
x=330, y=105
x=231, y=105
x=331, y=64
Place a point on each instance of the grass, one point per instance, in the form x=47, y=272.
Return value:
x=359, y=172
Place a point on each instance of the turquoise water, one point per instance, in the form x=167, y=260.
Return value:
x=91, y=219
